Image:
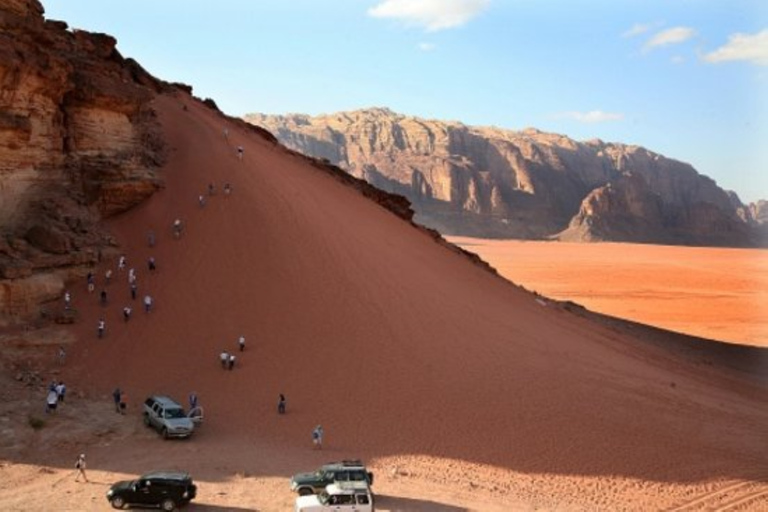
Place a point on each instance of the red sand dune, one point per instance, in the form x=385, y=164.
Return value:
x=395, y=344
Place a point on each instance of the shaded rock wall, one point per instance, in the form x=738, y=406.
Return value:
x=78, y=142
x=522, y=184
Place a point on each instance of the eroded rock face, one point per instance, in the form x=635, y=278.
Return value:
x=522, y=184
x=78, y=141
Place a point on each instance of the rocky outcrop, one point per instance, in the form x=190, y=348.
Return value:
x=522, y=184
x=78, y=142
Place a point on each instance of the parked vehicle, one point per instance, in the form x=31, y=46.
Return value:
x=164, y=489
x=167, y=417
x=342, y=471
x=339, y=497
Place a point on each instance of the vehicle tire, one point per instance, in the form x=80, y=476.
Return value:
x=168, y=505
x=164, y=433
x=117, y=502
x=305, y=491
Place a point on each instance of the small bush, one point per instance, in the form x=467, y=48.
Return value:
x=36, y=423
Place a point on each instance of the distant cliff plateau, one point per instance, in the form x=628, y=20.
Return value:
x=494, y=183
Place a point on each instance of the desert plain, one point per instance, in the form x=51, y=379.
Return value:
x=711, y=292
x=461, y=390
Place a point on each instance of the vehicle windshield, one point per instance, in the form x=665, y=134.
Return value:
x=175, y=413
x=323, y=498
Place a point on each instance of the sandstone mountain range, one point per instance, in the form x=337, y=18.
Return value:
x=489, y=182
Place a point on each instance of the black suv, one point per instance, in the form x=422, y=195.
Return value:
x=164, y=489
x=342, y=471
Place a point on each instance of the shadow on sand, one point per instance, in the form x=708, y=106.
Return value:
x=397, y=504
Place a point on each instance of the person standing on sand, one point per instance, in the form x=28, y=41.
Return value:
x=151, y=265
x=103, y=295
x=61, y=391
x=192, y=400
x=80, y=467
x=231, y=362
x=317, y=437
x=240, y=152
x=147, y=303
x=67, y=300
x=241, y=343
x=51, y=401
x=281, y=404
x=224, y=357
x=101, y=328
x=121, y=263
x=127, y=313
x=134, y=290
x=116, y=394
x=108, y=276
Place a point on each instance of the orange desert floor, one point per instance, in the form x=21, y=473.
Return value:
x=714, y=293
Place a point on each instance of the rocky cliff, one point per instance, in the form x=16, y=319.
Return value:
x=78, y=142
x=490, y=182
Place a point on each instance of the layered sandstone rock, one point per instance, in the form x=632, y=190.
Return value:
x=78, y=141
x=522, y=184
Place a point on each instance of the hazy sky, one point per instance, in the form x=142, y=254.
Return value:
x=685, y=78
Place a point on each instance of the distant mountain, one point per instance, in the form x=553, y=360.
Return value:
x=489, y=182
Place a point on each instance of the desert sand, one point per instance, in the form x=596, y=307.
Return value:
x=714, y=293
x=462, y=391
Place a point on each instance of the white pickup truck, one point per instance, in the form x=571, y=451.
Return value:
x=338, y=497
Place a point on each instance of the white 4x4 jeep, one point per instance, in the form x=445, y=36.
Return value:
x=341, y=497
x=167, y=416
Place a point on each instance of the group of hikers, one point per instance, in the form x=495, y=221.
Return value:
x=227, y=359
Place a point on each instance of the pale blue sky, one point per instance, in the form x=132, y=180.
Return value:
x=674, y=76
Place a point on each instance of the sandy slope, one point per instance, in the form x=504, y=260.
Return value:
x=409, y=356
x=710, y=292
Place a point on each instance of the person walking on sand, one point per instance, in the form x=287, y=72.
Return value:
x=240, y=152
x=151, y=265
x=91, y=282
x=80, y=467
x=62, y=355
x=177, y=228
x=134, y=290
x=231, y=361
x=127, y=313
x=121, y=263
x=241, y=343
x=201, y=200
x=123, y=402
x=108, y=276
x=67, y=300
x=147, y=303
x=227, y=189
x=192, y=400
x=281, y=404
x=101, y=328
x=103, y=296
x=224, y=357
x=116, y=394
x=61, y=391
x=51, y=401
x=317, y=437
